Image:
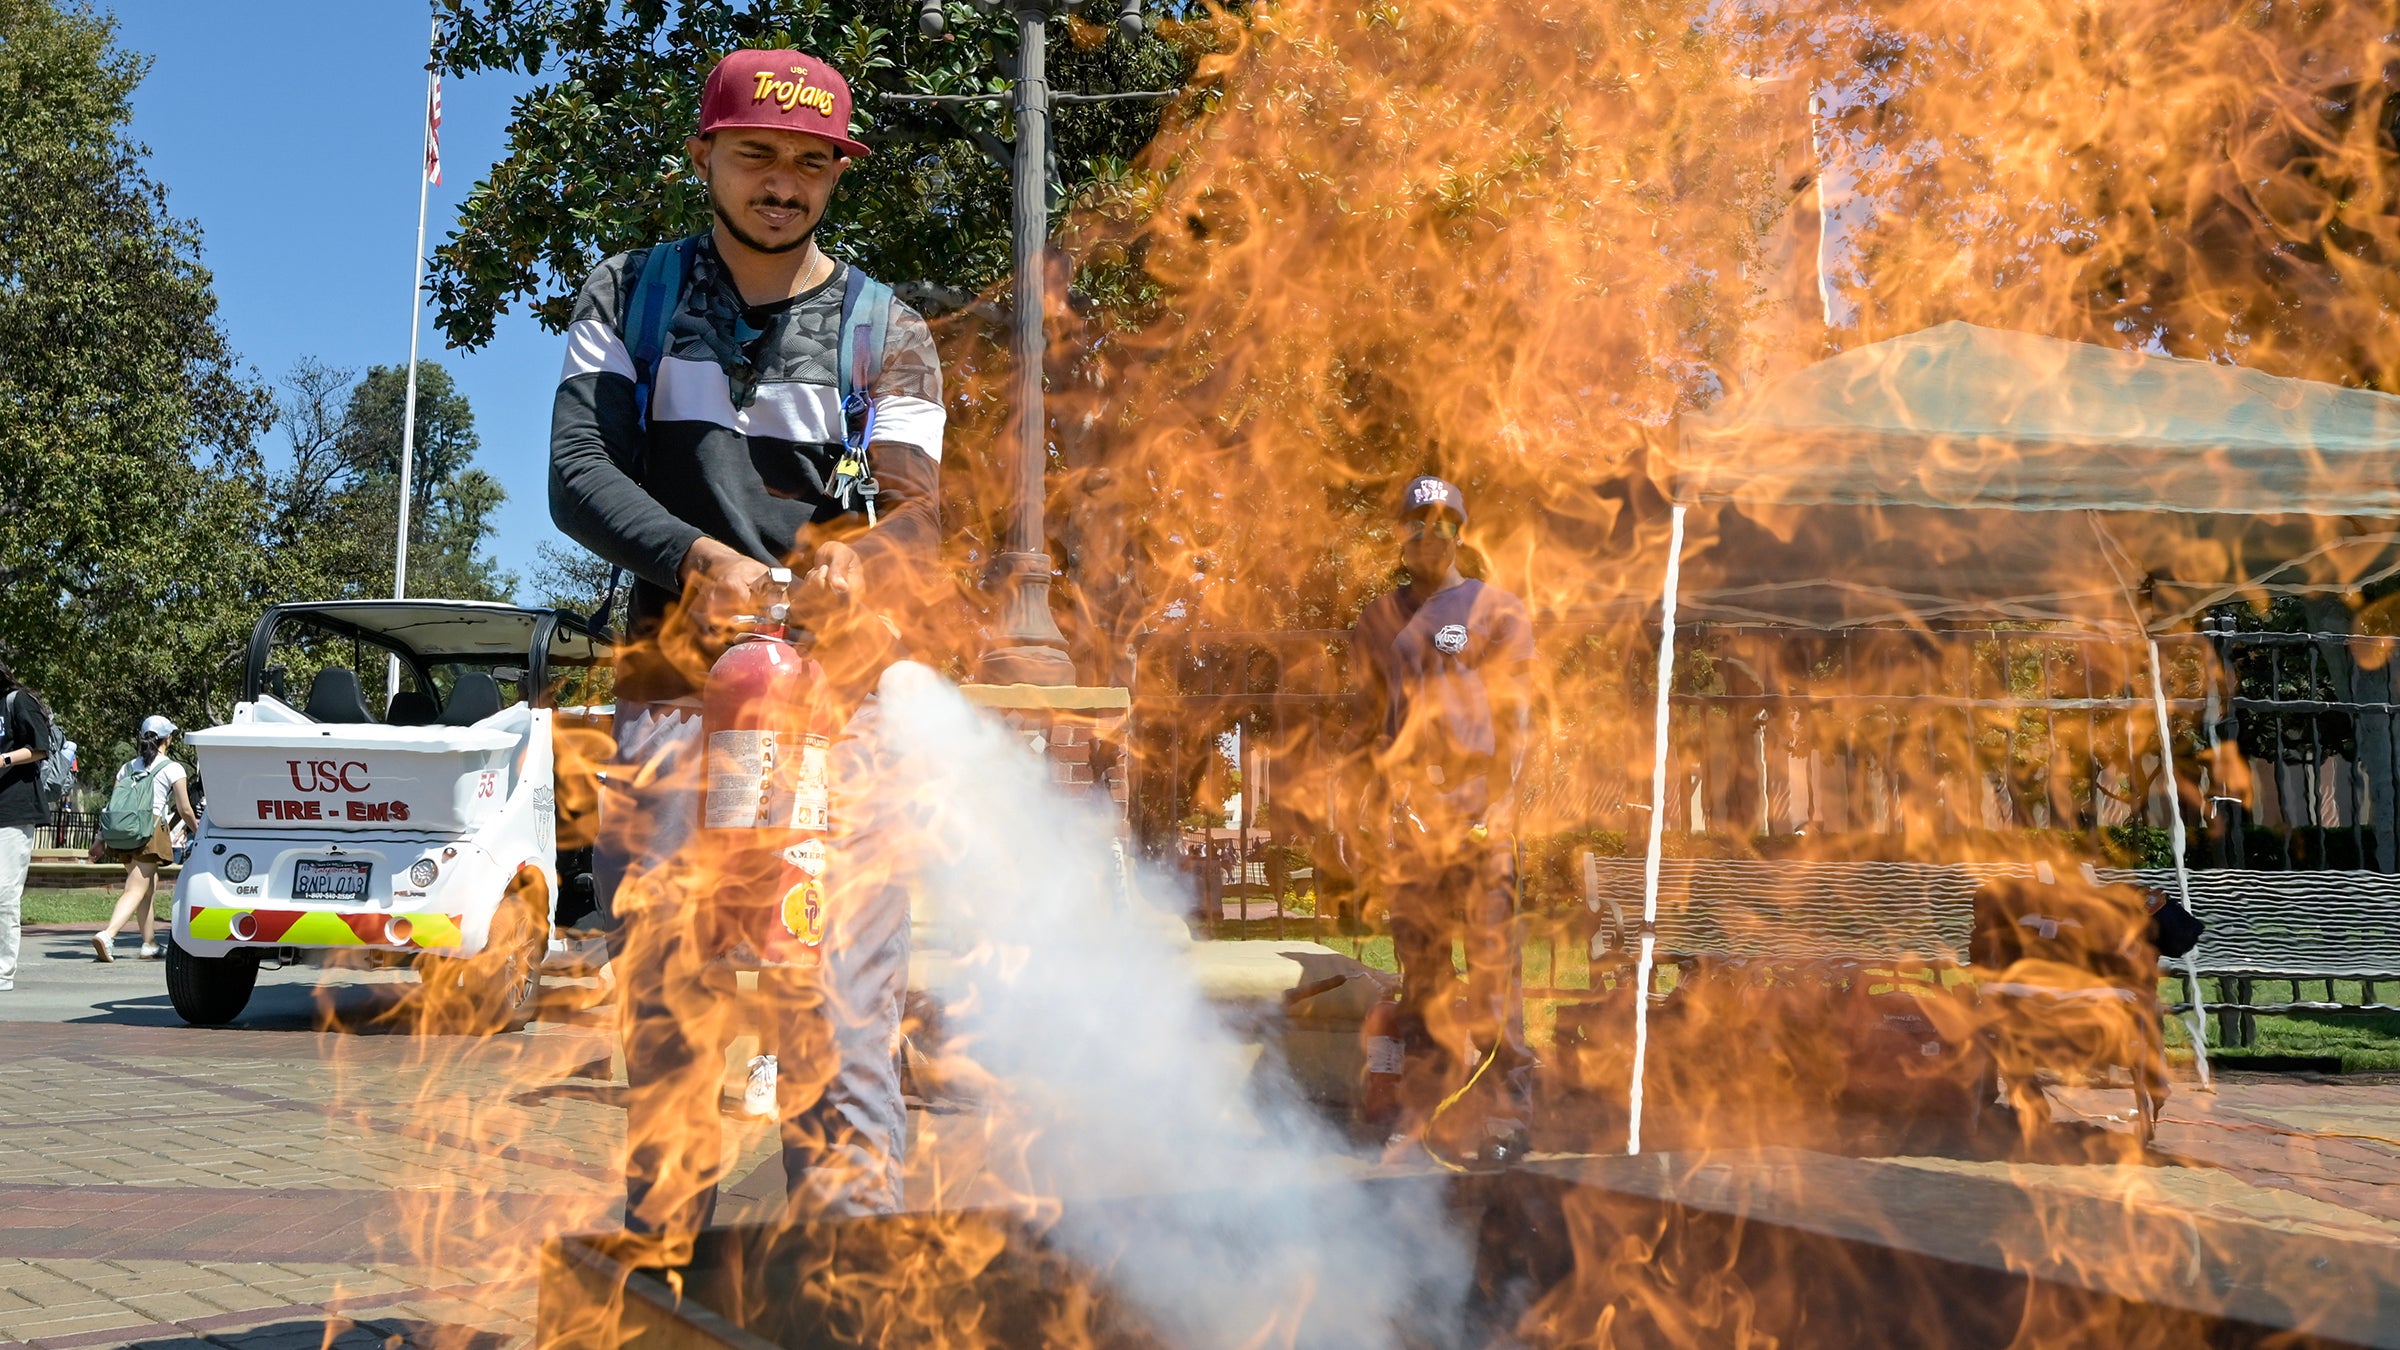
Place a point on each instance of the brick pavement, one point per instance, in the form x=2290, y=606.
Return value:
x=264, y=1188
x=167, y=1186
x=68, y=1304
x=2335, y=1140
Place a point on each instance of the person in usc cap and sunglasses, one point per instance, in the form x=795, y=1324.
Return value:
x=1441, y=666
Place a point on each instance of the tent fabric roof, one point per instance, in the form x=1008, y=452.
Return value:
x=1865, y=489
x=1977, y=418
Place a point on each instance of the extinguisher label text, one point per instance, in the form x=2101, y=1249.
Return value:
x=811, y=800
x=741, y=766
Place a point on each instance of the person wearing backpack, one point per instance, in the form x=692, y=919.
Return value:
x=30, y=790
x=731, y=403
x=134, y=828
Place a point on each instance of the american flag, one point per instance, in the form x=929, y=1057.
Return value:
x=433, y=133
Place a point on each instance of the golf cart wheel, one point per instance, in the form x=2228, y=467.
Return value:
x=496, y=989
x=210, y=991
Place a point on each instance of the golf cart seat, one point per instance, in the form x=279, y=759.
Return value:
x=411, y=708
x=474, y=698
x=333, y=696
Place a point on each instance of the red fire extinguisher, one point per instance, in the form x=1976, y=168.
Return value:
x=1379, y=1092
x=765, y=804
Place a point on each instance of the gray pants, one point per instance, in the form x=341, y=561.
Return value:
x=16, y=857
x=835, y=1032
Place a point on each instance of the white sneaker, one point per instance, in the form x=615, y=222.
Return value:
x=100, y=949
x=758, y=1098
x=151, y=951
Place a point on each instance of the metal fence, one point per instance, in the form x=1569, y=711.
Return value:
x=2283, y=741
x=1931, y=746
x=68, y=828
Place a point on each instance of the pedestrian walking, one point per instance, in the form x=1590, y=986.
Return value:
x=151, y=796
x=731, y=403
x=1442, y=662
x=27, y=736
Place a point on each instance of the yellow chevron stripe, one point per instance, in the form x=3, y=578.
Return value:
x=434, y=930
x=320, y=928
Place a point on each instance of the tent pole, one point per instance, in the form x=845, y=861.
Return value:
x=1647, y=962
x=2198, y=1018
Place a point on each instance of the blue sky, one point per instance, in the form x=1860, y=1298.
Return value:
x=289, y=130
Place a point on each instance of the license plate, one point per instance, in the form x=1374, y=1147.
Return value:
x=314, y=880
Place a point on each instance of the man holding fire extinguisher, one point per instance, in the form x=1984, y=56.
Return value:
x=1440, y=664
x=735, y=403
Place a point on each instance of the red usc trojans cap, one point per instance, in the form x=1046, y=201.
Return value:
x=780, y=91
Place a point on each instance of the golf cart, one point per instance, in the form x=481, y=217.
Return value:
x=440, y=833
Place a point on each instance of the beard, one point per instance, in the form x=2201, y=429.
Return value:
x=733, y=226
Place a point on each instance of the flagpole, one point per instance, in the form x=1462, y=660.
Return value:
x=416, y=308
x=416, y=313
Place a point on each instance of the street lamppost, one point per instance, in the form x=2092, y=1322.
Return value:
x=1028, y=649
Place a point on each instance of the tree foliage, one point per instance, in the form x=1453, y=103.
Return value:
x=451, y=501
x=596, y=163
x=123, y=416
x=331, y=509
x=142, y=526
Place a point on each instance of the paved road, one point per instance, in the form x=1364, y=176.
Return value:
x=58, y=980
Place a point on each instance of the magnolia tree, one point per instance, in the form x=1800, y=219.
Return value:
x=596, y=163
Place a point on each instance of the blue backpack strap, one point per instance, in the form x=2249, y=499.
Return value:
x=650, y=315
x=649, y=319
x=866, y=322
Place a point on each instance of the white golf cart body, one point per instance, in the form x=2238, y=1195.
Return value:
x=327, y=828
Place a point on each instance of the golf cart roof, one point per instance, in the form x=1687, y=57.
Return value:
x=454, y=629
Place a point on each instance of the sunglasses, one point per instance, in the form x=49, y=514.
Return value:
x=1417, y=529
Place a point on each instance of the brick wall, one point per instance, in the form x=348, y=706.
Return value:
x=1084, y=750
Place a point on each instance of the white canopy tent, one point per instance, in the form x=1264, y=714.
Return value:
x=2137, y=491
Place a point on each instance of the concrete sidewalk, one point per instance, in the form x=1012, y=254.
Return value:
x=59, y=980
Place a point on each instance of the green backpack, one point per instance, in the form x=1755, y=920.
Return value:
x=131, y=816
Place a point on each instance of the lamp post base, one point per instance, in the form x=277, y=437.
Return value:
x=1025, y=665
x=1028, y=648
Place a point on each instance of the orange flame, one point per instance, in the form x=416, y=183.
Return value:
x=1513, y=245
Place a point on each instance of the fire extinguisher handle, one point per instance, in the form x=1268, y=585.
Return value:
x=772, y=593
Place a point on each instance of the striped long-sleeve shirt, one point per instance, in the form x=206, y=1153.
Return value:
x=745, y=398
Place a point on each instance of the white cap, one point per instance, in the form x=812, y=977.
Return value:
x=155, y=725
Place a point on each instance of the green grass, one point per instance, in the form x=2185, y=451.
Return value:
x=2362, y=1041
x=82, y=904
x=1372, y=952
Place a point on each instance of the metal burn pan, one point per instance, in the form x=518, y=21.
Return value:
x=1770, y=1246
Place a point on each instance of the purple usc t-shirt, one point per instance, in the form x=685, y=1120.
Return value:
x=1426, y=664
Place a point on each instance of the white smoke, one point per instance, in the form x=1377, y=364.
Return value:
x=1101, y=1048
